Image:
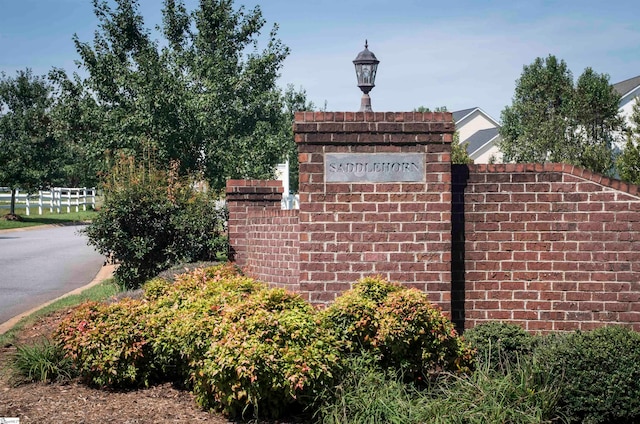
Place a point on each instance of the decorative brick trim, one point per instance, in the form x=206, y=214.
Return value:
x=577, y=171
x=366, y=128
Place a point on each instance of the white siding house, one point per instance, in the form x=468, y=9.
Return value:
x=630, y=91
x=480, y=130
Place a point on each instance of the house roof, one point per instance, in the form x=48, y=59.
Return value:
x=459, y=115
x=626, y=86
x=480, y=138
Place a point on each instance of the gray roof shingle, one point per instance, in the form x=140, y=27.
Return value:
x=623, y=87
x=480, y=138
x=459, y=114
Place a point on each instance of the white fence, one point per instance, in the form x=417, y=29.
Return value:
x=56, y=199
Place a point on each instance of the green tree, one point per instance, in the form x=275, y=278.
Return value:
x=28, y=151
x=426, y=109
x=550, y=120
x=204, y=95
x=597, y=121
x=294, y=101
x=535, y=127
x=629, y=161
x=459, y=154
x=76, y=123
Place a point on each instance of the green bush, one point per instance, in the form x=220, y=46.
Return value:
x=132, y=343
x=189, y=311
x=242, y=348
x=245, y=349
x=268, y=355
x=43, y=361
x=354, y=315
x=156, y=288
x=499, y=344
x=399, y=326
x=600, y=374
x=151, y=220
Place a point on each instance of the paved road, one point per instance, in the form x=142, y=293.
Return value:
x=39, y=265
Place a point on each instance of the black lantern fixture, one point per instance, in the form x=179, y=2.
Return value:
x=366, y=66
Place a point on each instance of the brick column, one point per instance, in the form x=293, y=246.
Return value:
x=373, y=223
x=244, y=197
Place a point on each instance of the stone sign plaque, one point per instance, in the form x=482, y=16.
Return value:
x=373, y=167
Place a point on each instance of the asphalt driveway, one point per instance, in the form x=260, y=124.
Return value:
x=41, y=264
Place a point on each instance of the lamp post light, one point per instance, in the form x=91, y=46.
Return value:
x=366, y=66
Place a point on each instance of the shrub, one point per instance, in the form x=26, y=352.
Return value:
x=156, y=288
x=399, y=326
x=600, y=374
x=499, y=343
x=267, y=355
x=415, y=337
x=109, y=344
x=152, y=220
x=132, y=343
x=44, y=361
x=354, y=315
x=189, y=311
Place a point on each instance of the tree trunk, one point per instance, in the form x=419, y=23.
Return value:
x=12, y=210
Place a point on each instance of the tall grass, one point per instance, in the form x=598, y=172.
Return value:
x=367, y=395
x=486, y=396
x=42, y=361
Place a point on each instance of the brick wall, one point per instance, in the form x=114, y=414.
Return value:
x=264, y=239
x=550, y=247
x=349, y=230
x=274, y=252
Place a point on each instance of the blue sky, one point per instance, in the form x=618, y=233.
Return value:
x=458, y=54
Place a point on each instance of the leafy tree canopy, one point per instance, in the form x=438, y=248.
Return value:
x=204, y=95
x=553, y=120
x=28, y=151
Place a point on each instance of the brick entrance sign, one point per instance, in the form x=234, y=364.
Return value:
x=549, y=247
x=375, y=195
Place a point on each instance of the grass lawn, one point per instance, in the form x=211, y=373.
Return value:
x=46, y=218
